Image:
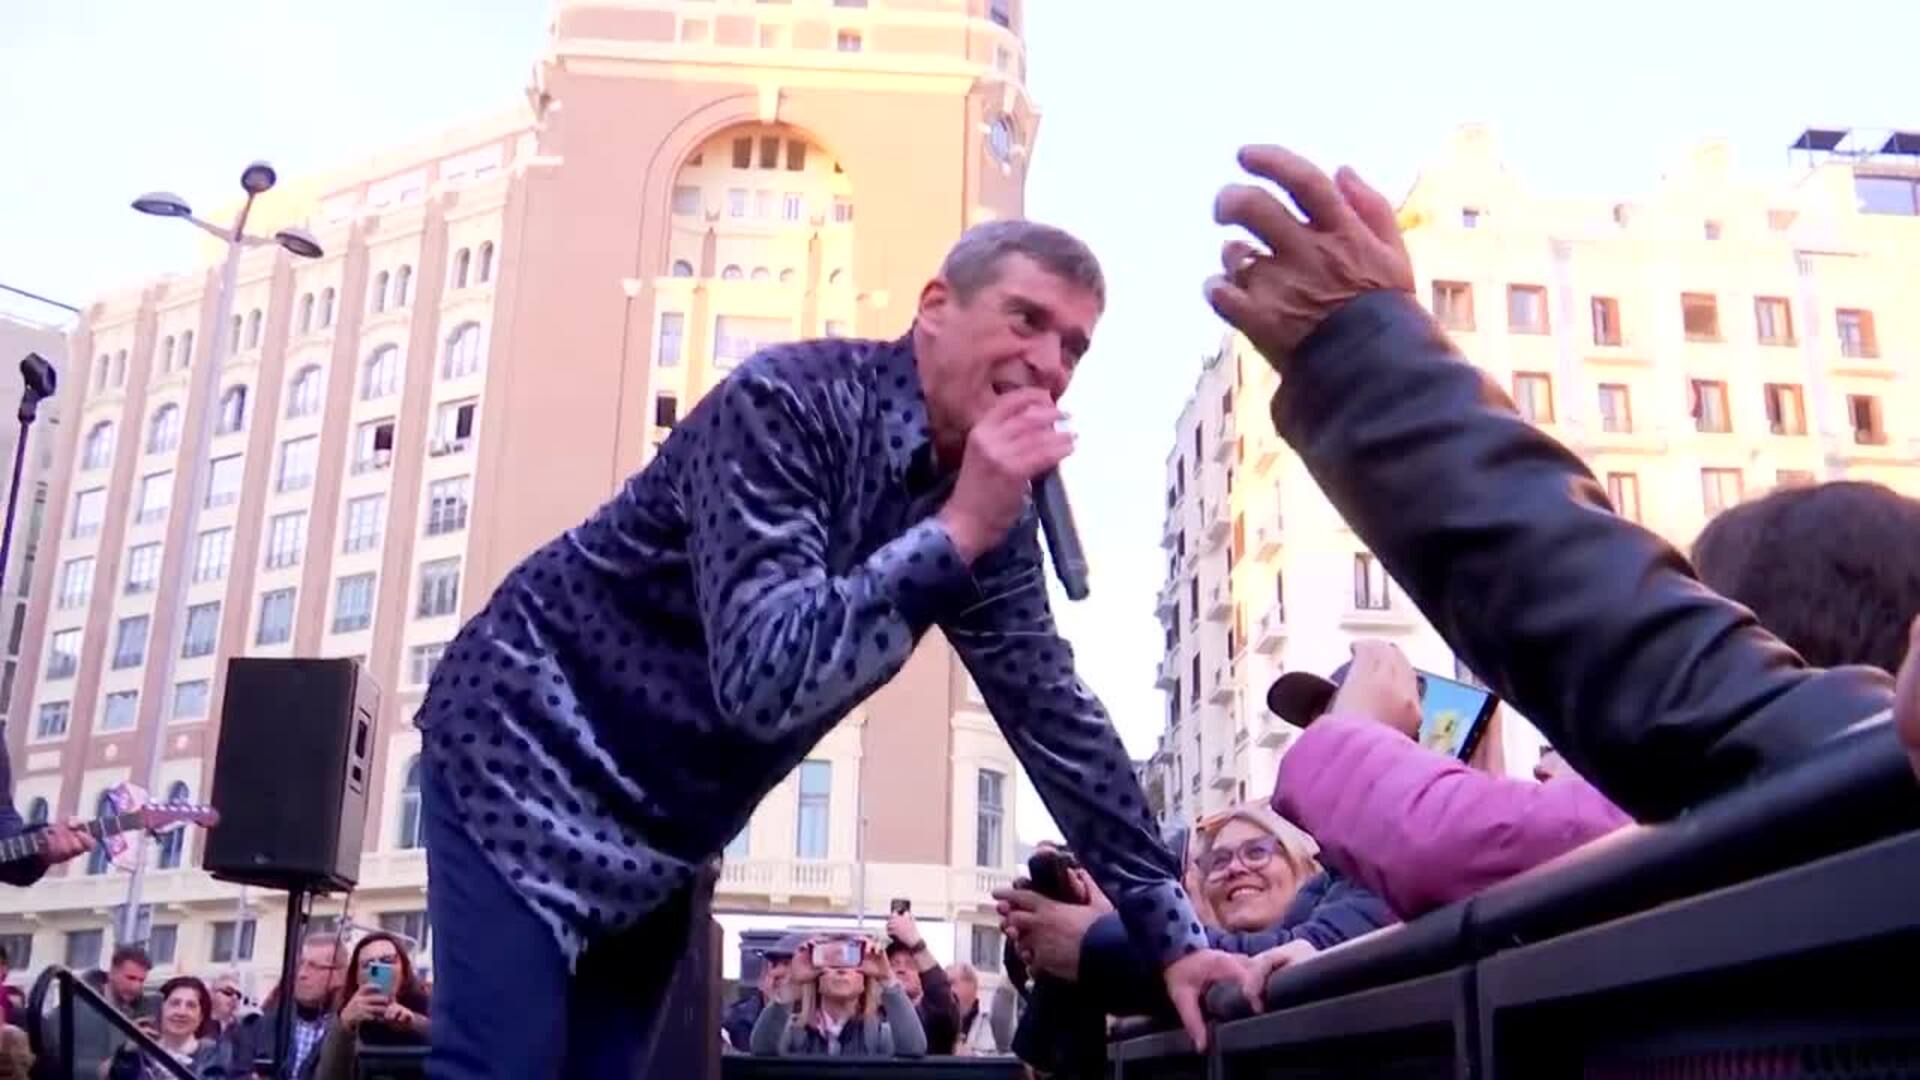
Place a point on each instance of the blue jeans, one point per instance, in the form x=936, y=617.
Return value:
x=504, y=1003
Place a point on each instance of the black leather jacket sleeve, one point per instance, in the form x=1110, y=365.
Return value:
x=1655, y=688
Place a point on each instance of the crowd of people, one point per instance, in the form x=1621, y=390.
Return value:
x=344, y=998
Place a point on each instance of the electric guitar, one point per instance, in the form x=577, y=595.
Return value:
x=151, y=818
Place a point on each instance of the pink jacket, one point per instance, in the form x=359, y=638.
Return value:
x=1421, y=829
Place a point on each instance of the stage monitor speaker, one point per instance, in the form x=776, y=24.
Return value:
x=291, y=773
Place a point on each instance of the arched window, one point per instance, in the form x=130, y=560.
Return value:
x=303, y=397
x=186, y=348
x=37, y=812
x=682, y=268
x=253, y=329
x=402, y=285
x=166, y=353
x=786, y=276
x=99, y=446
x=98, y=860
x=174, y=840
x=233, y=335
x=463, y=352
x=163, y=431
x=731, y=273
x=120, y=368
x=485, y=273
x=233, y=410
x=381, y=374
x=379, y=297
x=834, y=278
x=462, y=260
x=410, y=806
x=306, y=313
x=102, y=371
x=760, y=274
x=326, y=308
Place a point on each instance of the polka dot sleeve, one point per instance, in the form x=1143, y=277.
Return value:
x=791, y=645
x=1064, y=739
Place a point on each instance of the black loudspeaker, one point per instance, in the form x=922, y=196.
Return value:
x=291, y=773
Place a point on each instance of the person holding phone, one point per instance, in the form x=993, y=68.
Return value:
x=1417, y=826
x=840, y=1000
x=382, y=1004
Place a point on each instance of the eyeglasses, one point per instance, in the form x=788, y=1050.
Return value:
x=1253, y=854
x=227, y=991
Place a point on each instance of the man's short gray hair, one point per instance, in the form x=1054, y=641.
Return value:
x=974, y=262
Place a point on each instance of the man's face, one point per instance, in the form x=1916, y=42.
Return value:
x=318, y=971
x=1029, y=328
x=128, y=979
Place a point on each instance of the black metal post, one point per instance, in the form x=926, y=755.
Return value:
x=66, y=1026
x=298, y=900
x=38, y=376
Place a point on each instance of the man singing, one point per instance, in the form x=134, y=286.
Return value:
x=633, y=689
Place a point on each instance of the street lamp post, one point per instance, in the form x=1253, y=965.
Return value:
x=202, y=389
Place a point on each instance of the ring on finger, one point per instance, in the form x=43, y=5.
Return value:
x=1243, y=270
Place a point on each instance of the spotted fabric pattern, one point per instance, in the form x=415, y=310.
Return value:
x=635, y=687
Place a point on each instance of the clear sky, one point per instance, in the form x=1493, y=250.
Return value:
x=1143, y=104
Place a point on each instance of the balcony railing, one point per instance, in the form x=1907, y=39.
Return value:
x=780, y=879
x=1223, y=447
x=1266, y=541
x=1271, y=630
x=1219, y=601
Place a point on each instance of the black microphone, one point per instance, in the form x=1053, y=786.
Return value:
x=40, y=379
x=1063, y=539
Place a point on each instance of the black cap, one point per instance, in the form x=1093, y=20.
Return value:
x=1299, y=697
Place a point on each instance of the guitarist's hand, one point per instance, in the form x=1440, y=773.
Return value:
x=66, y=842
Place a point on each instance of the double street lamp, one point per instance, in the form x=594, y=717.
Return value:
x=203, y=387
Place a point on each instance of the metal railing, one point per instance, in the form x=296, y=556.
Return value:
x=54, y=1057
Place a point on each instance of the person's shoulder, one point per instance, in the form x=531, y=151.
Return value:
x=804, y=367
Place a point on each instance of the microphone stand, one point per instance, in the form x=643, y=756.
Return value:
x=39, y=378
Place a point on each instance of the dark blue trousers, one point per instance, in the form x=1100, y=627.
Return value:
x=504, y=1003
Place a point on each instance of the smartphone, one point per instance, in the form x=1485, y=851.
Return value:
x=900, y=906
x=380, y=976
x=838, y=954
x=1051, y=873
x=1453, y=715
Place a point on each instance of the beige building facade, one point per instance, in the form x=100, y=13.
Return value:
x=505, y=324
x=1712, y=342
x=34, y=328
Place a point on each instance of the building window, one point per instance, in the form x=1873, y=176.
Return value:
x=792, y=206
x=1712, y=230
x=673, y=327
x=306, y=315
x=1526, y=309
x=681, y=268
x=164, y=939
x=156, y=495
x=286, y=539
x=731, y=273
x=761, y=274
x=186, y=350
x=377, y=299
x=253, y=328
x=143, y=569
x=1453, y=304
x=212, y=554
x=203, y=630
x=120, y=711
x=172, y=843
x=63, y=654
x=439, y=588
x=446, y=505
x=372, y=446
x=98, y=450
x=165, y=352
x=402, y=286
x=326, y=308
x=1606, y=321
x=847, y=41
x=410, y=806
x=1709, y=406
x=276, y=618
x=233, y=411
x=89, y=510
x=485, y=269
x=1616, y=408
x=1700, y=316
x=353, y=603
x=1772, y=320
x=51, y=723
x=232, y=942
x=736, y=203
x=16, y=950
x=1863, y=411
x=987, y=947
x=1786, y=412
x=363, y=524
x=411, y=926
x=1787, y=478
x=989, y=848
x=462, y=262
x=1000, y=11
x=842, y=210
x=1369, y=584
x=1856, y=333
x=738, y=337
x=1887, y=195
x=666, y=410
x=303, y=397
x=130, y=642
x=297, y=459
x=1533, y=396
x=453, y=427
x=83, y=946
x=422, y=660
x=190, y=699
x=76, y=583
x=1469, y=217
x=835, y=328
x=1721, y=489
x=816, y=786
x=381, y=374
x=223, y=480
x=1623, y=491
x=463, y=352
x=686, y=200
x=163, y=431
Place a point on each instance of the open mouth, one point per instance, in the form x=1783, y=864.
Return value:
x=1243, y=892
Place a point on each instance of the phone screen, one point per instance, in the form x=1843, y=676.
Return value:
x=1453, y=715
x=837, y=954
x=381, y=976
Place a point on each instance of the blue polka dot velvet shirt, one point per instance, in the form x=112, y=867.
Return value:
x=634, y=688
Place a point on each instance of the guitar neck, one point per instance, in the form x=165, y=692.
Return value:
x=28, y=844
